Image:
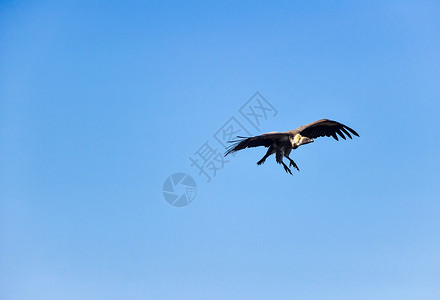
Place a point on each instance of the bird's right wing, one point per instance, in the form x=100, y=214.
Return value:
x=265, y=139
x=327, y=128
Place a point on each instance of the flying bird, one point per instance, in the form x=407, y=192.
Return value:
x=282, y=143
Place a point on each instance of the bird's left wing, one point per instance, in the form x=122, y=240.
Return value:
x=325, y=127
x=265, y=139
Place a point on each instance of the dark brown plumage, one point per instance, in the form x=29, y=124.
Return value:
x=282, y=143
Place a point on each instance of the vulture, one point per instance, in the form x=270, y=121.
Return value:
x=282, y=143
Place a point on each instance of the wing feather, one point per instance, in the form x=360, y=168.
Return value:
x=341, y=134
x=266, y=140
x=327, y=128
x=346, y=132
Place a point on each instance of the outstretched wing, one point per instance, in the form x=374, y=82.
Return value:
x=265, y=139
x=326, y=127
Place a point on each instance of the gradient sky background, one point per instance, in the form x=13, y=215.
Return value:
x=101, y=103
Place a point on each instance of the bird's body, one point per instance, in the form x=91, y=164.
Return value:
x=282, y=143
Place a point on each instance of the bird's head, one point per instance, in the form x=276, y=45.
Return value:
x=305, y=140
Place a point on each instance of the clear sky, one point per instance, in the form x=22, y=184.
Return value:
x=100, y=103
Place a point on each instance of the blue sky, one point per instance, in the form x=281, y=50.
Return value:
x=100, y=103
